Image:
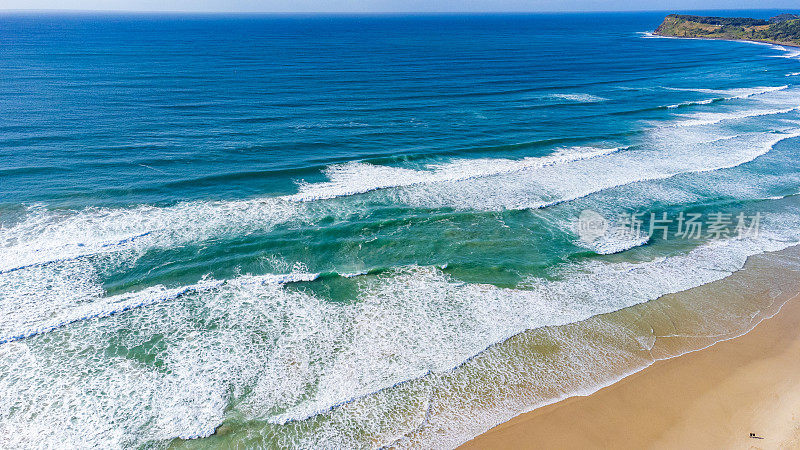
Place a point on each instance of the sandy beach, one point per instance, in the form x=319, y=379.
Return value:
x=711, y=398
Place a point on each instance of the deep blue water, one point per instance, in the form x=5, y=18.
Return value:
x=120, y=110
x=221, y=202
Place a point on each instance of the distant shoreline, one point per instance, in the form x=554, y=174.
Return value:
x=783, y=29
x=753, y=41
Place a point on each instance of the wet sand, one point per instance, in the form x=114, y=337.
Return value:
x=711, y=398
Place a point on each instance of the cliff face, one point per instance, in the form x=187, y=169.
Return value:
x=783, y=29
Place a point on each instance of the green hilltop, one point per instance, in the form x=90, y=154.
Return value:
x=782, y=29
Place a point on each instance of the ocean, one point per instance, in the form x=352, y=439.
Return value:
x=372, y=231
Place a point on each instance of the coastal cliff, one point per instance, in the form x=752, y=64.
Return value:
x=782, y=29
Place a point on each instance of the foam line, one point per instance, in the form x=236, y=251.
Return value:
x=763, y=151
x=697, y=102
x=580, y=98
x=613, y=243
x=726, y=94
x=111, y=305
x=47, y=237
x=342, y=182
x=76, y=255
x=714, y=118
x=108, y=306
x=737, y=93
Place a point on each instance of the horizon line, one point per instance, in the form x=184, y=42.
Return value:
x=554, y=11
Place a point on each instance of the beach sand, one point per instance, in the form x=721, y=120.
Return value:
x=711, y=398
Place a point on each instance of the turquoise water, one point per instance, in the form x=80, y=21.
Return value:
x=210, y=220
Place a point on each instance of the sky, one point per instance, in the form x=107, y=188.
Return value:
x=388, y=6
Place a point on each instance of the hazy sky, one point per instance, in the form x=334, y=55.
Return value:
x=394, y=5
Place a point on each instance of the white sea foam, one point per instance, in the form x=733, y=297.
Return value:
x=788, y=53
x=736, y=93
x=45, y=236
x=793, y=53
x=698, y=102
x=28, y=310
x=781, y=197
x=550, y=186
x=296, y=355
x=652, y=35
x=580, y=98
x=724, y=94
x=615, y=241
x=535, y=183
x=353, y=274
x=710, y=118
x=358, y=178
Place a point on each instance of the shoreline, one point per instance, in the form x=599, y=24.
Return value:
x=752, y=41
x=543, y=368
x=711, y=397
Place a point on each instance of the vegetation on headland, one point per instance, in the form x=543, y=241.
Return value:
x=782, y=29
